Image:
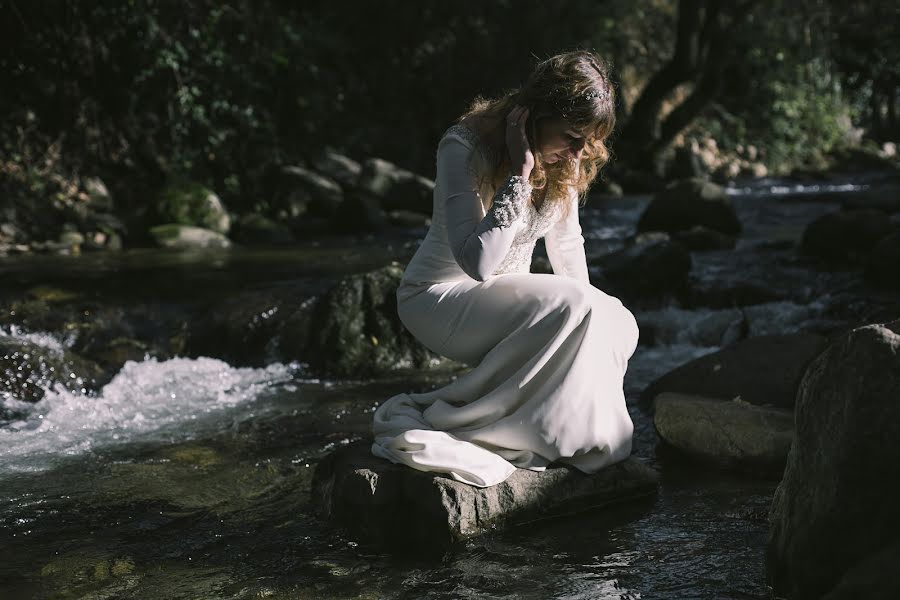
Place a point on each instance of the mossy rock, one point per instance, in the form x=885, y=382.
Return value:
x=189, y=203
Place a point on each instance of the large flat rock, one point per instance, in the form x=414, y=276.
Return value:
x=732, y=434
x=397, y=506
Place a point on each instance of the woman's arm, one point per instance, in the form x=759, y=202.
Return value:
x=565, y=244
x=479, y=241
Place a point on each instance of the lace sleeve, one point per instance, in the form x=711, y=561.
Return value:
x=479, y=240
x=565, y=245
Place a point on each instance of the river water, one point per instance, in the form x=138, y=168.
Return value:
x=190, y=477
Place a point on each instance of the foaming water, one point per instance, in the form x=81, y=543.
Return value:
x=143, y=399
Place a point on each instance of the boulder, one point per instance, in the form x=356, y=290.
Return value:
x=185, y=237
x=28, y=369
x=883, y=265
x=393, y=505
x=350, y=329
x=342, y=169
x=730, y=433
x=301, y=192
x=845, y=235
x=835, y=506
x=689, y=202
x=646, y=268
x=357, y=329
x=396, y=188
x=188, y=203
x=762, y=370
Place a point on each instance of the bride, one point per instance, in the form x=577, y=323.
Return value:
x=548, y=351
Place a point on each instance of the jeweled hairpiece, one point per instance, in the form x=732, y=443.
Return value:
x=566, y=105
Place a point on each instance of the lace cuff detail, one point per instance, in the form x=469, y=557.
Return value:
x=509, y=201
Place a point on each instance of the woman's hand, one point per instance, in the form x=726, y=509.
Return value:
x=520, y=156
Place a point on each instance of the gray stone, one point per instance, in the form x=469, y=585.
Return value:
x=689, y=202
x=338, y=167
x=731, y=433
x=394, y=505
x=302, y=191
x=761, y=370
x=185, y=237
x=837, y=504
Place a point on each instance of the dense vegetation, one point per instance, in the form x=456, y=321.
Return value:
x=223, y=92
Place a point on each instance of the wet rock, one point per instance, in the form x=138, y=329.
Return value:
x=845, y=235
x=763, y=370
x=648, y=267
x=357, y=329
x=883, y=265
x=730, y=433
x=248, y=328
x=349, y=329
x=188, y=203
x=185, y=237
x=255, y=229
x=701, y=238
x=689, y=202
x=27, y=369
x=396, y=506
x=835, y=506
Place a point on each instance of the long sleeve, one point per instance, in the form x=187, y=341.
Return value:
x=479, y=240
x=565, y=245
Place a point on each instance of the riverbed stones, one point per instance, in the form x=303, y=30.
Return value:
x=836, y=506
x=729, y=433
x=689, y=202
x=761, y=370
x=393, y=505
x=845, y=235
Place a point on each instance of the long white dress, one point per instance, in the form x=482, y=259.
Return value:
x=548, y=351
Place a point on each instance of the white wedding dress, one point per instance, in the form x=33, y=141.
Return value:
x=549, y=352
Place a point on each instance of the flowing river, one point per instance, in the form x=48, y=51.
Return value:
x=190, y=477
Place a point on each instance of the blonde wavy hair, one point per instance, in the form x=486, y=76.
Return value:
x=573, y=86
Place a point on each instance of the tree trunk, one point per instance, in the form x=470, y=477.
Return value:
x=700, y=56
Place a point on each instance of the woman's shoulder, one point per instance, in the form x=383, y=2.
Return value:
x=463, y=132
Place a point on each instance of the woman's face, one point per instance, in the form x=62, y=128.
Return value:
x=559, y=140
